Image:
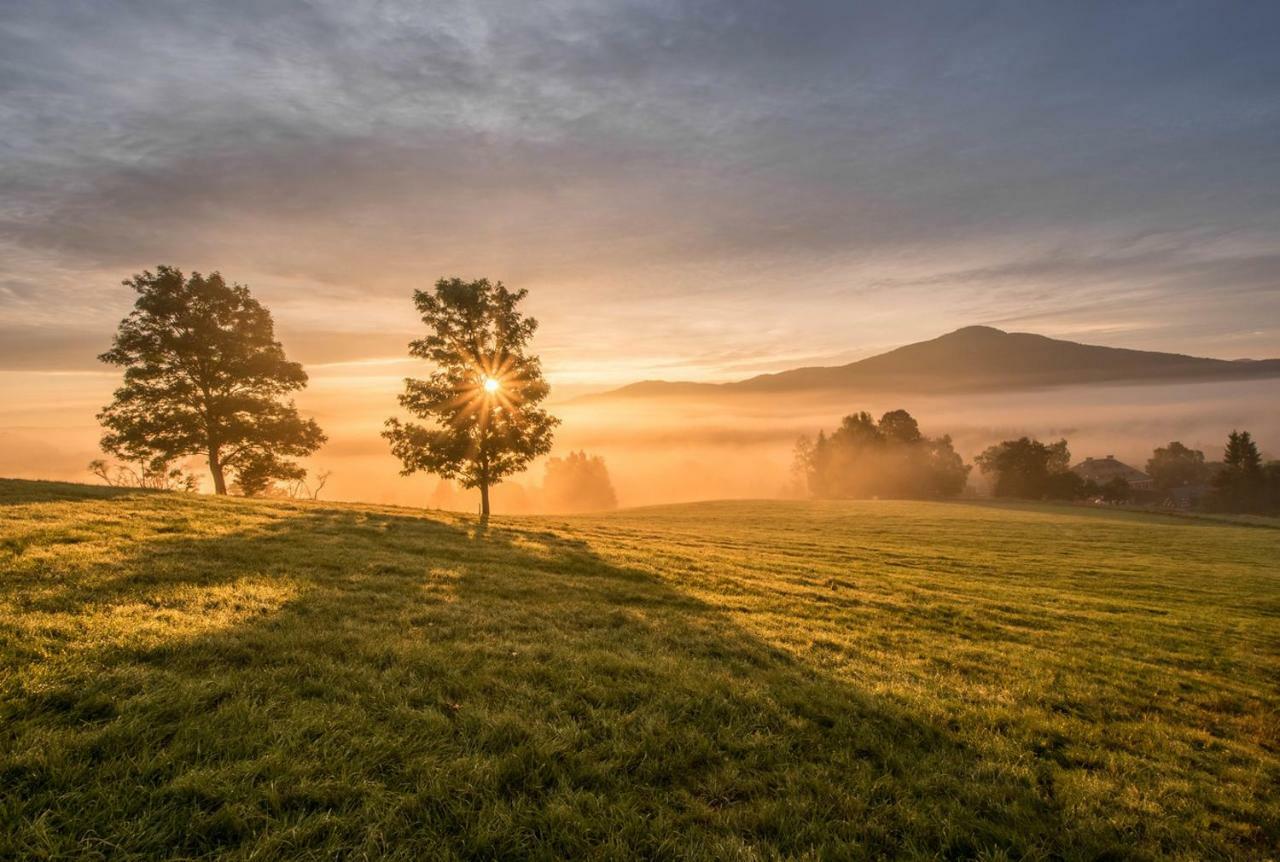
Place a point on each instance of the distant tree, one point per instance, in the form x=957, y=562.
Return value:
x=1241, y=453
x=946, y=471
x=801, y=462
x=482, y=398
x=304, y=490
x=1176, y=466
x=889, y=458
x=1030, y=469
x=898, y=426
x=578, y=483
x=1242, y=485
x=204, y=375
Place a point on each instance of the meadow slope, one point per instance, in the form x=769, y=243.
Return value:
x=186, y=676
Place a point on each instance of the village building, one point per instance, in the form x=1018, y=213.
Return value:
x=1103, y=470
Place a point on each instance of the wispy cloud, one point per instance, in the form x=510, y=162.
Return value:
x=690, y=189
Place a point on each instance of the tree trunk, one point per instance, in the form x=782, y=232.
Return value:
x=484, y=500
x=215, y=467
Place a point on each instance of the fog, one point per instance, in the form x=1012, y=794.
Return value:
x=678, y=450
x=666, y=450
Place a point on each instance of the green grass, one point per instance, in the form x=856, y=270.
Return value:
x=183, y=676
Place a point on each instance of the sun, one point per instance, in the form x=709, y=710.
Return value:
x=491, y=385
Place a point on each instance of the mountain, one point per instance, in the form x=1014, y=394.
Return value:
x=979, y=358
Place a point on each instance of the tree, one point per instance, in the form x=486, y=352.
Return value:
x=260, y=473
x=891, y=458
x=204, y=375
x=1028, y=468
x=899, y=426
x=482, y=399
x=1241, y=484
x=578, y=482
x=1242, y=453
x=1176, y=466
x=946, y=470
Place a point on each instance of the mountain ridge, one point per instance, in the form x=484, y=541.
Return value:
x=978, y=358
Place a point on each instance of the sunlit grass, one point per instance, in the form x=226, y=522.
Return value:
x=192, y=676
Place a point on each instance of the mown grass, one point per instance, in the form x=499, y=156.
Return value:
x=187, y=677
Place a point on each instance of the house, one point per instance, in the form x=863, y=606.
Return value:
x=1103, y=470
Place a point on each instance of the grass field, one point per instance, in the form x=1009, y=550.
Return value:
x=185, y=676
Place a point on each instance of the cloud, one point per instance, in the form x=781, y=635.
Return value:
x=701, y=183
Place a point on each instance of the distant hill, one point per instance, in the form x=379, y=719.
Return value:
x=981, y=358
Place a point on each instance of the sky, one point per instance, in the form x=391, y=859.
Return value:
x=689, y=190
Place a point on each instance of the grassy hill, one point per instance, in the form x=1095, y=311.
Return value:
x=188, y=676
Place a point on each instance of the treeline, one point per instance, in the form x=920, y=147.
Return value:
x=1179, y=476
x=864, y=458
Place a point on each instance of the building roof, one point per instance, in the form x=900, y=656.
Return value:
x=1103, y=470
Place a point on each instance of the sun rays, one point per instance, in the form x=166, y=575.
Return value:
x=493, y=386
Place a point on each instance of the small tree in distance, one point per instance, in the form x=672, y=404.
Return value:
x=1244, y=484
x=1030, y=469
x=204, y=375
x=481, y=401
x=578, y=482
x=1175, y=466
x=891, y=458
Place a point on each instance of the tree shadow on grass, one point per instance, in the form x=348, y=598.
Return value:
x=426, y=690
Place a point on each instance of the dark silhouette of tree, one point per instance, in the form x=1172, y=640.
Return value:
x=1244, y=484
x=1176, y=466
x=1241, y=453
x=578, y=482
x=204, y=375
x=482, y=399
x=899, y=426
x=946, y=471
x=260, y=473
x=1030, y=469
x=891, y=458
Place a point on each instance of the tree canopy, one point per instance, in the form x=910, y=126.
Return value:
x=891, y=458
x=481, y=401
x=204, y=375
x=578, y=482
x=1030, y=469
x=1176, y=466
x=1245, y=483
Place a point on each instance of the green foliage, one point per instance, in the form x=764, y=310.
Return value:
x=204, y=375
x=1031, y=470
x=1176, y=466
x=194, y=677
x=476, y=437
x=578, y=482
x=863, y=458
